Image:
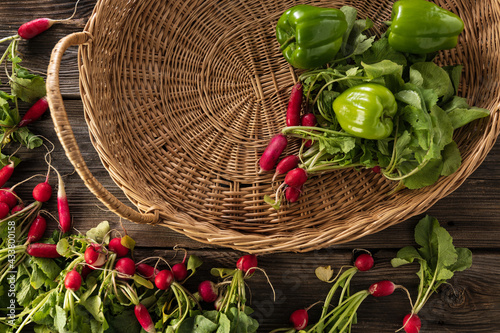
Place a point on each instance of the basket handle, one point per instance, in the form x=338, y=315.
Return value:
x=67, y=138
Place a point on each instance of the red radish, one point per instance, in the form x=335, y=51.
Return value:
x=207, y=291
x=164, y=279
x=296, y=177
x=94, y=255
x=62, y=206
x=309, y=120
x=299, y=319
x=412, y=323
x=42, y=250
x=73, y=280
x=6, y=172
x=42, y=192
x=115, y=245
x=8, y=196
x=218, y=303
x=37, y=229
x=247, y=263
x=364, y=262
x=86, y=270
x=292, y=194
x=34, y=27
x=149, y=272
x=17, y=208
x=125, y=268
x=34, y=112
x=180, y=271
x=144, y=318
x=286, y=164
x=294, y=106
x=273, y=151
x=4, y=210
x=376, y=169
x=382, y=288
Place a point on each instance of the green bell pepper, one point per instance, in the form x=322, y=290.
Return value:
x=366, y=111
x=420, y=27
x=310, y=36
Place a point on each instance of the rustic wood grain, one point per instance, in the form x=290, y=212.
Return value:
x=471, y=303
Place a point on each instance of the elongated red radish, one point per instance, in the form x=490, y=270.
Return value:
x=9, y=197
x=147, y=271
x=180, y=271
x=286, y=164
x=17, y=208
x=6, y=172
x=42, y=250
x=299, y=319
x=73, y=280
x=292, y=194
x=144, y=318
x=125, y=268
x=294, y=106
x=94, y=255
x=364, y=262
x=309, y=120
x=62, y=206
x=34, y=27
x=273, y=151
x=218, y=303
x=42, y=192
x=382, y=288
x=4, y=210
x=296, y=177
x=34, y=112
x=412, y=323
x=207, y=291
x=37, y=229
x=247, y=263
x=115, y=245
x=164, y=279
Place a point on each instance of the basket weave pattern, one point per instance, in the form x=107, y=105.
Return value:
x=181, y=98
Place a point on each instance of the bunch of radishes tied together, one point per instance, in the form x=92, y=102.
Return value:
x=295, y=176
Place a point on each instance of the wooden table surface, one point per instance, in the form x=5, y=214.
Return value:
x=471, y=303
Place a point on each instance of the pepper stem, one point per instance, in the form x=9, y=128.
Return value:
x=287, y=42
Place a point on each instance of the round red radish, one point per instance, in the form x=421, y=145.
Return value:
x=37, y=229
x=382, y=288
x=94, y=255
x=115, y=245
x=144, y=318
x=180, y=271
x=125, y=268
x=376, y=169
x=86, y=270
x=364, y=262
x=147, y=271
x=42, y=250
x=247, y=263
x=9, y=197
x=296, y=177
x=299, y=319
x=207, y=291
x=294, y=106
x=4, y=210
x=286, y=164
x=164, y=279
x=218, y=303
x=412, y=323
x=73, y=280
x=292, y=194
x=17, y=208
x=42, y=192
x=309, y=120
x=273, y=151
x=32, y=28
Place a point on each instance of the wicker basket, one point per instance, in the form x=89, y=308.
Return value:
x=181, y=98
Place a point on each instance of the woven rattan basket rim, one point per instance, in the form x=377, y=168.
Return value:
x=217, y=203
